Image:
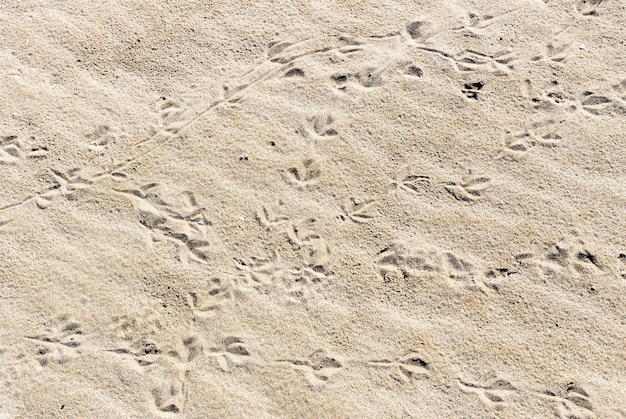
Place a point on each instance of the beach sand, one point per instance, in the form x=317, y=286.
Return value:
x=313, y=209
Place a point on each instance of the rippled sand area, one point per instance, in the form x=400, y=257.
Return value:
x=324, y=209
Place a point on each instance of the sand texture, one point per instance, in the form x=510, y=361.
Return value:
x=325, y=209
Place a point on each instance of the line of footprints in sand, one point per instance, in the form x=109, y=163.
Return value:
x=166, y=366
x=397, y=263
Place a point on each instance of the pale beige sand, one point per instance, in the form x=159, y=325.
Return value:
x=313, y=209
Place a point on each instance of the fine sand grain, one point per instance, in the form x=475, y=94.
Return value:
x=319, y=209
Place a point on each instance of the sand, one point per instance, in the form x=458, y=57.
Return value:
x=313, y=209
